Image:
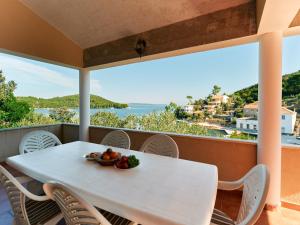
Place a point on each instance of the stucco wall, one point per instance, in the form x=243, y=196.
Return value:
x=10, y=138
x=290, y=177
x=23, y=32
x=232, y=157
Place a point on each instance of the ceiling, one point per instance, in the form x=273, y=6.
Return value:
x=93, y=22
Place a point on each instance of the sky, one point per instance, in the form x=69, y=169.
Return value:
x=157, y=81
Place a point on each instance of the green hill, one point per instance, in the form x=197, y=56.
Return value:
x=290, y=89
x=70, y=101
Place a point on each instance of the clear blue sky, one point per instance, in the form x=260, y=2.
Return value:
x=158, y=81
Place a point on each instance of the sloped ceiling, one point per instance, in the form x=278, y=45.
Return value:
x=93, y=22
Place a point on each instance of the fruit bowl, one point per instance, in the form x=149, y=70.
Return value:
x=107, y=162
x=108, y=158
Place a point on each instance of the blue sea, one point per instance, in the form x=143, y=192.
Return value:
x=138, y=109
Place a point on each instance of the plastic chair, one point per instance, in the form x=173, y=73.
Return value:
x=37, y=140
x=161, y=144
x=117, y=138
x=77, y=211
x=255, y=189
x=28, y=208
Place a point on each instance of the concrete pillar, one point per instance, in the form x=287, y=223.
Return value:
x=269, y=111
x=84, y=111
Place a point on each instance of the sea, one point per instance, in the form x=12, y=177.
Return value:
x=138, y=109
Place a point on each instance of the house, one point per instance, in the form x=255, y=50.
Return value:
x=218, y=99
x=250, y=122
x=251, y=110
x=189, y=108
x=215, y=101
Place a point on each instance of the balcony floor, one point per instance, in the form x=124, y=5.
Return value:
x=226, y=201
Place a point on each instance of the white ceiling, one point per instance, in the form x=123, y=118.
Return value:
x=92, y=22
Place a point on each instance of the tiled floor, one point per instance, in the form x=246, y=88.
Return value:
x=229, y=202
x=226, y=201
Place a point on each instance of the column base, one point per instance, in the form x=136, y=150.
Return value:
x=272, y=208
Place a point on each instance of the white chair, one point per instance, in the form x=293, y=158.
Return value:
x=255, y=189
x=37, y=140
x=28, y=208
x=117, y=138
x=77, y=211
x=161, y=144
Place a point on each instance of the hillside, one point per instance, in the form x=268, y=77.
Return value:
x=290, y=90
x=70, y=101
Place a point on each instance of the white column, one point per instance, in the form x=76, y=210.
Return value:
x=269, y=111
x=84, y=111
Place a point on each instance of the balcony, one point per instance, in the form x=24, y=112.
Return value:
x=224, y=153
x=103, y=34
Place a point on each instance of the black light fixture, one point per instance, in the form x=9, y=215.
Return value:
x=140, y=47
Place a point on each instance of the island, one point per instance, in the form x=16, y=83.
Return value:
x=70, y=101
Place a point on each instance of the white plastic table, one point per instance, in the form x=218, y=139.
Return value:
x=161, y=190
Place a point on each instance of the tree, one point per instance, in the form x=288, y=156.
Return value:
x=11, y=110
x=106, y=119
x=63, y=115
x=35, y=118
x=171, y=107
x=216, y=89
x=189, y=98
x=200, y=102
x=131, y=122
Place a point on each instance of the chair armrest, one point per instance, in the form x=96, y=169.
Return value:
x=21, y=188
x=230, y=185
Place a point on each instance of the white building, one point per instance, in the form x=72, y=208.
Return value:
x=215, y=101
x=250, y=123
x=189, y=108
x=218, y=99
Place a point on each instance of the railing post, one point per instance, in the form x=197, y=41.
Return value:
x=84, y=110
x=269, y=111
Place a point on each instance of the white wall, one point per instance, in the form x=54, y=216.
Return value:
x=251, y=123
x=287, y=124
x=10, y=138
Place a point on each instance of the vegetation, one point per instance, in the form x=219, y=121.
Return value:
x=290, y=89
x=11, y=110
x=70, y=101
x=33, y=119
x=243, y=136
x=165, y=121
x=19, y=111
x=216, y=90
x=63, y=115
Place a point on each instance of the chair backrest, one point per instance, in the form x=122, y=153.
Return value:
x=161, y=144
x=255, y=190
x=37, y=140
x=117, y=138
x=15, y=196
x=76, y=211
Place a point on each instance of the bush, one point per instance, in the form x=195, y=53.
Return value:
x=106, y=119
x=63, y=115
x=243, y=136
x=35, y=119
